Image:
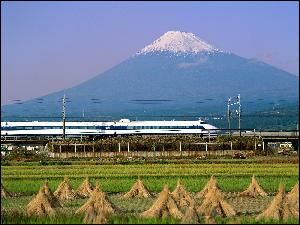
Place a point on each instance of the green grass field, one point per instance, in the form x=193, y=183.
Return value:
x=26, y=179
x=231, y=177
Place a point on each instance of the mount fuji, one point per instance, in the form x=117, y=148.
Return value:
x=177, y=74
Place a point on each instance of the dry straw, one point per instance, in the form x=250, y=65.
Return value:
x=4, y=192
x=164, y=206
x=54, y=201
x=138, y=190
x=209, y=220
x=97, y=208
x=214, y=204
x=253, y=190
x=182, y=197
x=212, y=183
x=43, y=203
x=190, y=216
x=293, y=197
x=64, y=191
x=186, y=204
x=85, y=189
x=280, y=207
x=94, y=216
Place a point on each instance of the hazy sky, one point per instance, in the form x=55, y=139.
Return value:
x=50, y=46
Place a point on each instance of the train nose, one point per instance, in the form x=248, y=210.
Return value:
x=213, y=127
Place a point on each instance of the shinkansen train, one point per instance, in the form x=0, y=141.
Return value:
x=121, y=127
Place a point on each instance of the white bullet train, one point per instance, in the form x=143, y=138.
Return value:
x=122, y=127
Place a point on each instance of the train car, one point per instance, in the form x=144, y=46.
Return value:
x=121, y=127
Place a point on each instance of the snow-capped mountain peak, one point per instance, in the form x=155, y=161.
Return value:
x=178, y=42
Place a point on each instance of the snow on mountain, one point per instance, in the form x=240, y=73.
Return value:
x=179, y=42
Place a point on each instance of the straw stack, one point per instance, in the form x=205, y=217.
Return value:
x=138, y=190
x=253, y=190
x=164, y=206
x=64, y=191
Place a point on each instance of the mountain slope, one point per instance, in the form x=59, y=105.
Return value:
x=172, y=76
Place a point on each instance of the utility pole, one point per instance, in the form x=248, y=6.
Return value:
x=64, y=116
x=239, y=109
x=228, y=111
x=238, y=101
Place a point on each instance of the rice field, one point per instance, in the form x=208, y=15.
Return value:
x=25, y=180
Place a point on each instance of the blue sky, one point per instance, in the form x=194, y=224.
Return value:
x=50, y=46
